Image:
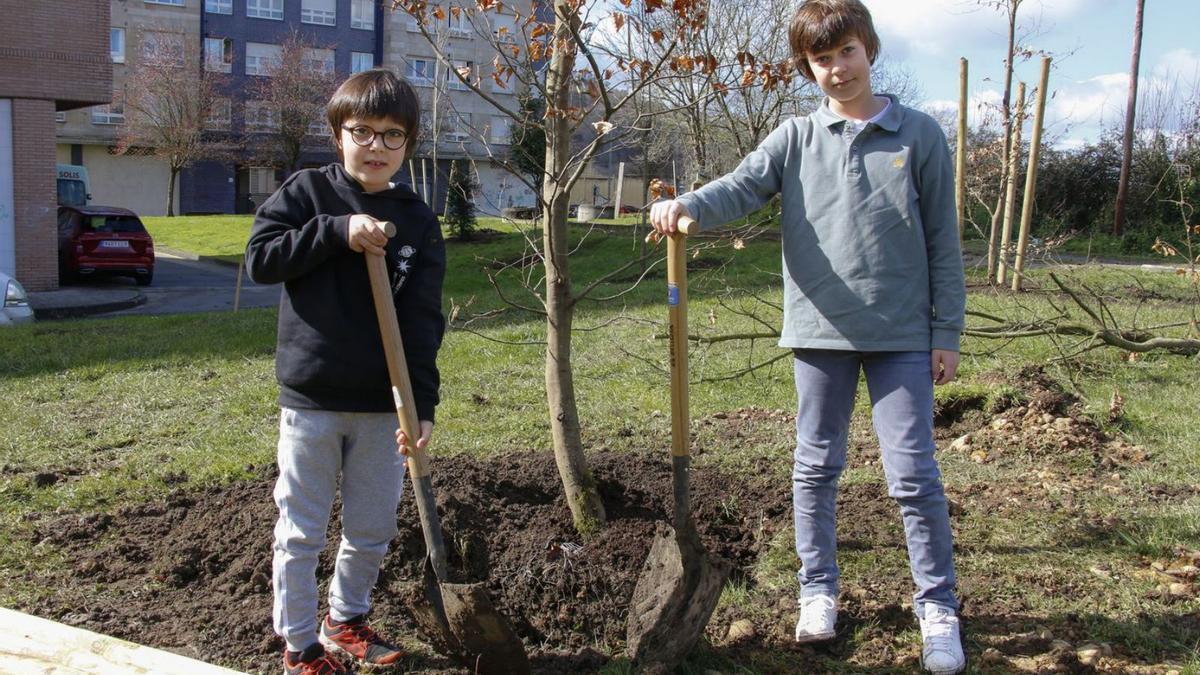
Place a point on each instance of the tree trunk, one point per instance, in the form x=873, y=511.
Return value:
x=1130, y=114
x=171, y=191
x=583, y=498
x=1006, y=111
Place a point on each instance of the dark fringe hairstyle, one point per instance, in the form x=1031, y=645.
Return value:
x=820, y=25
x=376, y=94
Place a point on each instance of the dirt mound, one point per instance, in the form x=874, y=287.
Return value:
x=192, y=573
x=1048, y=424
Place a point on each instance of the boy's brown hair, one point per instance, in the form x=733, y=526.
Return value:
x=376, y=94
x=820, y=25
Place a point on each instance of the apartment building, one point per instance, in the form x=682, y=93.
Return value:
x=457, y=123
x=236, y=41
x=91, y=136
x=52, y=61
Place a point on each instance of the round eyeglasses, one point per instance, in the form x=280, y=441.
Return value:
x=393, y=139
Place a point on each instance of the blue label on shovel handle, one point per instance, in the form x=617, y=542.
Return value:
x=672, y=294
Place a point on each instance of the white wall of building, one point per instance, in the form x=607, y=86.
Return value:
x=500, y=190
x=135, y=183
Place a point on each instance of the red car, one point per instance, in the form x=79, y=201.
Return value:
x=96, y=240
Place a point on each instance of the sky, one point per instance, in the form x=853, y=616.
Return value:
x=1090, y=42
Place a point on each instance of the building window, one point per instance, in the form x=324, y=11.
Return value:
x=362, y=14
x=504, y=28
x=319, y=126
x=113, y=113
x=116, y=44
x=218, y=55
x=320, y=12
x=260, y=117
x=458, y=23
x=360, y=61
x=265, y=9
x=419, y=71
x=176, y=3
x=162, y=48
x=219, y=115
x=218, y=6
x=320, y=60
x=464, y=68
x=498, y=130
x=458, y=128
x=60, y=117
x=261, y=58
x=262, y=180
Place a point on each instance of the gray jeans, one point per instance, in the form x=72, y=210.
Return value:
x=314, y=447
x=901, y=389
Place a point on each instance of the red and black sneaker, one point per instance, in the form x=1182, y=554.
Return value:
x=355, y=637
x=312, y=661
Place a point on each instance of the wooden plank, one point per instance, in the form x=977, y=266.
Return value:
x=36, y=645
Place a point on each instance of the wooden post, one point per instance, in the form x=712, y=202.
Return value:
x=237, y=287
x=620, y=186
x=1035, y=146
x=960, y=153
x=425, y=183
x=1010, y=195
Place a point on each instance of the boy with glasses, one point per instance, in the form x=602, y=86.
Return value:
x=338, y=415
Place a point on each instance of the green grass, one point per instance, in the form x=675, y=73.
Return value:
x=220, y=237
x=127, y=409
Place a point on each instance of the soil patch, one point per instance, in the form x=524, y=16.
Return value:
x=192, y=574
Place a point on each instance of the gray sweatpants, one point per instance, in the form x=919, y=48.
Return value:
x=314, y=446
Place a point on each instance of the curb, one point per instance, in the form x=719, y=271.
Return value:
x=176, y=253
x=188, y=255
x=75, y=311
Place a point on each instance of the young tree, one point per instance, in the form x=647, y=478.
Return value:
x=1010, y=9
x=527, y=137
x=460, y=204
x=554, y=50
x=168, y=100
x=294, y=91
x=1130, y=110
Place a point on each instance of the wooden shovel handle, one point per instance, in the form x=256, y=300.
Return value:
x=677, y=307
x=393, y=349
x=685, y=226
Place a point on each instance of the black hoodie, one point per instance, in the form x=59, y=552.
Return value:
x=330, y=354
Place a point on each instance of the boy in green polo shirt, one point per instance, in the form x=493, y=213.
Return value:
x=873, y=282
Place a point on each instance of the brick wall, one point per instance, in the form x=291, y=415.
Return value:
x=53, y=54
x=56, y=50
x=34, y=194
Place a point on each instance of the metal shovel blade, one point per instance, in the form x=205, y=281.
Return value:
x=673, y=600
x=460, y=620
x=487, y=641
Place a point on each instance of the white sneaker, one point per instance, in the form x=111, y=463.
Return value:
x=942, y=653
x=818, y=614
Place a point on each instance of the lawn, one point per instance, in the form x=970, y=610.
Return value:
x=101, y=415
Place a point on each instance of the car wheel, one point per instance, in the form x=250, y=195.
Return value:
x=145, y=279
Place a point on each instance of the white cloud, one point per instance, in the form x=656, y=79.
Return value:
x=981, y=107
x=941, y=27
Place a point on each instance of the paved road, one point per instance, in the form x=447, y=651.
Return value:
x=182, y=285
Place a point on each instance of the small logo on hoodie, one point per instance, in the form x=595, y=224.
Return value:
x=402, y=265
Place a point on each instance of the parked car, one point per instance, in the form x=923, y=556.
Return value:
x=96, y=240
x=16, y=307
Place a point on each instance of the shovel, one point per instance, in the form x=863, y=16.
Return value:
x=680, y=582
x=459, y=618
